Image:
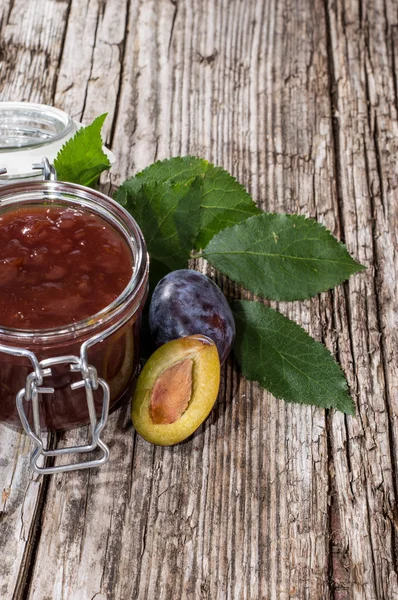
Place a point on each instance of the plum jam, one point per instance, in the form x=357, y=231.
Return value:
x=58, y=266
x=73, y=265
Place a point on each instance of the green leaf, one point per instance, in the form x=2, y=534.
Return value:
x=281, y=257
x=284, y=359
x=82, y=159
x=168, y=214
x=224, y=202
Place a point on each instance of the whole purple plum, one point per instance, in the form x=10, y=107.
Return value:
x=186, y=303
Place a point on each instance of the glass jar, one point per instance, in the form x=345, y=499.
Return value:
x=27, y=132
x=61, y=378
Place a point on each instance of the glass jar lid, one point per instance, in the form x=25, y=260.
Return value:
x=26, y=125
x=28, y=132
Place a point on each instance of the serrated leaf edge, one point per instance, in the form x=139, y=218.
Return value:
x=80, y=132
x=188, y=157
x=277, y=298
x=345, y=387
x=160, y=162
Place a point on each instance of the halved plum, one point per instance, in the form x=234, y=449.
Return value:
x=176, y=390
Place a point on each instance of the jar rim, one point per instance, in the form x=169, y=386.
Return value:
x=126, y=225
x=53, y=124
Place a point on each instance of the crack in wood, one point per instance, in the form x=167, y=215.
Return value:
x=173, y=22
x=122, y=56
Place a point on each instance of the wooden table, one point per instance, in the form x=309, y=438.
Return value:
x=268, y=500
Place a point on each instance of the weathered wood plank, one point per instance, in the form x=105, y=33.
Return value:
x=268, y=500
x=31, y=38
x=31, y=45
x=90, y=71
x=295, y=175
x=21, y=499
x=364, y=461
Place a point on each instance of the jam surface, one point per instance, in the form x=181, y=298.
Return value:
x=58, y=266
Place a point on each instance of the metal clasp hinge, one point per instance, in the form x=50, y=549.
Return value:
x=31, y=392
x=90, y=381
x=48, y=170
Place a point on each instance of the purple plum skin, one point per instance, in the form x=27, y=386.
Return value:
x=186, y=302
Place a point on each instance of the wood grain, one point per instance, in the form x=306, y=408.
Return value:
x=268, y=500
x=31, y=40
